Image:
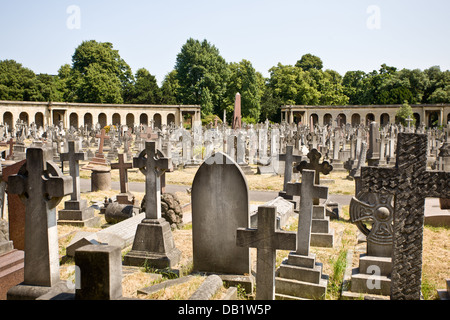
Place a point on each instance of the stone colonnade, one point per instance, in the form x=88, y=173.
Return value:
x=428, y=114
x=81, y=114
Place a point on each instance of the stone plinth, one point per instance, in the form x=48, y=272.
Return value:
x=100, y=179
x=77, y=213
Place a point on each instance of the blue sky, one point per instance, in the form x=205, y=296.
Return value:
x=346, y=35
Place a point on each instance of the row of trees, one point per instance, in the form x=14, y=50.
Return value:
x=202, y=76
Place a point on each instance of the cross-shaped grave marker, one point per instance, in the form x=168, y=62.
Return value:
x=102, y=137
x=308, y=191
x=148, y=134
x=153, y=243
x=123, y=167
x=313, y=164
x=153, y=166
x=267, y=240
x=411, y=183
x=41, y=186
x=289, y=158
x=73, y=156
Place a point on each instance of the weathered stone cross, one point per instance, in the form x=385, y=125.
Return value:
x=313, y=164
x=267, y=240
x=102, y=137
x=73, y=157
x=289, y=158
x=307, y=190
x=41, y=186
x=123, y=172
x=411, y=183
x=153, y=167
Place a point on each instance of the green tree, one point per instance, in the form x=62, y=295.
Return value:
x=14, y=80
x=245, y=80
x=309, y=61
x=102, y=58
x=99, y=86
x=145, y=89
x=200, y=66
x=403, y=113
x=169, y=88
x=354, y=86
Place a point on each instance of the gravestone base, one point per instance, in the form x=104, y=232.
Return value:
x=300, y=277
x=246, y=169
x=101, y=179
x=338, y=165
x=116, y=212
x=77, y=213
x=247, y=283
x=11, y=270
x=153, y=246
x=321, y=234
x=371, y=278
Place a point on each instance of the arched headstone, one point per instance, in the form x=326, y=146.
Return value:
x=220, y=205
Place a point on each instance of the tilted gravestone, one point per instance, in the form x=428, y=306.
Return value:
x=41, y=186
x=411, y=183
x=220, y=205
x=153, y=244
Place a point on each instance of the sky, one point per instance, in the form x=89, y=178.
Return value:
x=347, y=35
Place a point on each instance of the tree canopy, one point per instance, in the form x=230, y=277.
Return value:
x=201, y=76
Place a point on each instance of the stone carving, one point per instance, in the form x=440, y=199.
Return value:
x=411, y=183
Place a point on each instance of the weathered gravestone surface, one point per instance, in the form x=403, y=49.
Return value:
x=322, y=235
x=373, y=215
x=267, y=240
x=300, y=275
x=76, y=212
x=411, y=183
x=41, y=186
x=220, y=205
x=99, y=272
x=289, y=159
x=153, y=244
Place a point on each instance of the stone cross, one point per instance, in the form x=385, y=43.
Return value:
x=313, y=164
x=289, y=158
x=411, y=183
x=409, y=120
x=73, y=157
x=123, y=167
x=267, y=240
x=307, y=190
x=148, y=134
x=102, y=137
x=41, y=186
x=153, y=167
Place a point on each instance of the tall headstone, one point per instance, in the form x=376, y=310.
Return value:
x=299, y=275
x=267, y=239
x=153, y=244
x=76, y=212
x=41, y=186
x=411, y=183
x=220, y=205
x=237, y=112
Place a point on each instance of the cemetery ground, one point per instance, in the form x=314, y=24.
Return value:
x=436, y=254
